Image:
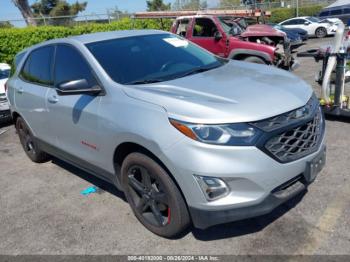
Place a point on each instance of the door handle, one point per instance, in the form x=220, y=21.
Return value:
x=20, y=90
x=53, y=99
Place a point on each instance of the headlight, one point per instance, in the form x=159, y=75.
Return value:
x=226, y=134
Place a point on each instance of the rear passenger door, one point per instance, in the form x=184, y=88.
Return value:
x=74, y=117
x=31, y=88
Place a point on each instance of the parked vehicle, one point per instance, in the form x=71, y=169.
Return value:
x=187, y=136
x=297, y=36
x=312, y=25
x=225, y=37
x=341, y=12
x=4, y=107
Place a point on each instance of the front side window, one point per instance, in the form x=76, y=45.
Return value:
x=313, y=19
x=204, y=27
x=71, y=66
x=151, y=58
x=37, y=68
x=301, y=21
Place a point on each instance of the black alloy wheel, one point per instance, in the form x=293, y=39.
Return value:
x=153, y=196
x=28, y=142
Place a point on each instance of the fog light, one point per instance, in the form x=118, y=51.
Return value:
x=212, y=187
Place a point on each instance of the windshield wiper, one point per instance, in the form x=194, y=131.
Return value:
x=197, y=70
x=144, y=81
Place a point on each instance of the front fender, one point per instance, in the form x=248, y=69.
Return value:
x=237, y=52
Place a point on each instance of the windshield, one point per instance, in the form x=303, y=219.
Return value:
x=151, y=58
x=230, y=26
x=313, y=19
x=4, y=74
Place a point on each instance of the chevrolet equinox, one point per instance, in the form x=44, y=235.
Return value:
x=187, y=136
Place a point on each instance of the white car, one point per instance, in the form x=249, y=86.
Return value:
x=4, y=106
x=313, y=26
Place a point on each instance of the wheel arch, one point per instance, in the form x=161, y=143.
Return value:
x=15, y=115
x=240, y=54
x=321, y=27
x=126, y=148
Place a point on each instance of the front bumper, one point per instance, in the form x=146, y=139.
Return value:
x=205, y=218
x=254, y=177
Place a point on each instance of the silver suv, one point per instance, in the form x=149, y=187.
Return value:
x=188, y=136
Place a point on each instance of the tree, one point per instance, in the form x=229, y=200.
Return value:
x=157, y=5
x=194, y=5
x=190, y=4
x=52, y=8
x=5, y=24
x=26, y=12
x=229, y=3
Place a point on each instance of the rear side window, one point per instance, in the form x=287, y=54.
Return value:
x=38, y=67
x=290, y=22
x=70, y=66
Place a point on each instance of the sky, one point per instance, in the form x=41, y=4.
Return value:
x=9, y=12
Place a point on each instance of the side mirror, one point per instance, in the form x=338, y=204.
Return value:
x=217, y=36
x=306, y=23
x=76, y=87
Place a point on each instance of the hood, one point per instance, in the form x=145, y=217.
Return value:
x=235, y=92
x=261, y=30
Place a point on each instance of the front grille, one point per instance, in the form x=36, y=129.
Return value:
x=297, y=142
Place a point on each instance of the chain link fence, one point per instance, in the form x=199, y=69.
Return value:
x=111, y=16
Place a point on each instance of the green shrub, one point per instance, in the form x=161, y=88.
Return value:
x=14, y=40
x=281, y=14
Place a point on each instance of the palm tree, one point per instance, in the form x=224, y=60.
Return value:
x=26, y=12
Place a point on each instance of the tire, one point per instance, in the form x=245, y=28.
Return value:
x=153, y=196
x=254, y=59
x=30, y=146
x=321, y=32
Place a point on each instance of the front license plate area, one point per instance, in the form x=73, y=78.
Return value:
x=315, y=166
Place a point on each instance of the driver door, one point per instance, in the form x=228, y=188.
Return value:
x=73, y=122
x=203, y=34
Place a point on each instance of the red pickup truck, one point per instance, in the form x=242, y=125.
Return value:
x=226, y=37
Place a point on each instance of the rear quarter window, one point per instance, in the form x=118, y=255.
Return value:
x=16, y=61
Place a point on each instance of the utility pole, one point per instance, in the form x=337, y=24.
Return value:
x=297, y=8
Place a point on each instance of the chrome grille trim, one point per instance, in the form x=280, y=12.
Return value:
x=289, y=118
